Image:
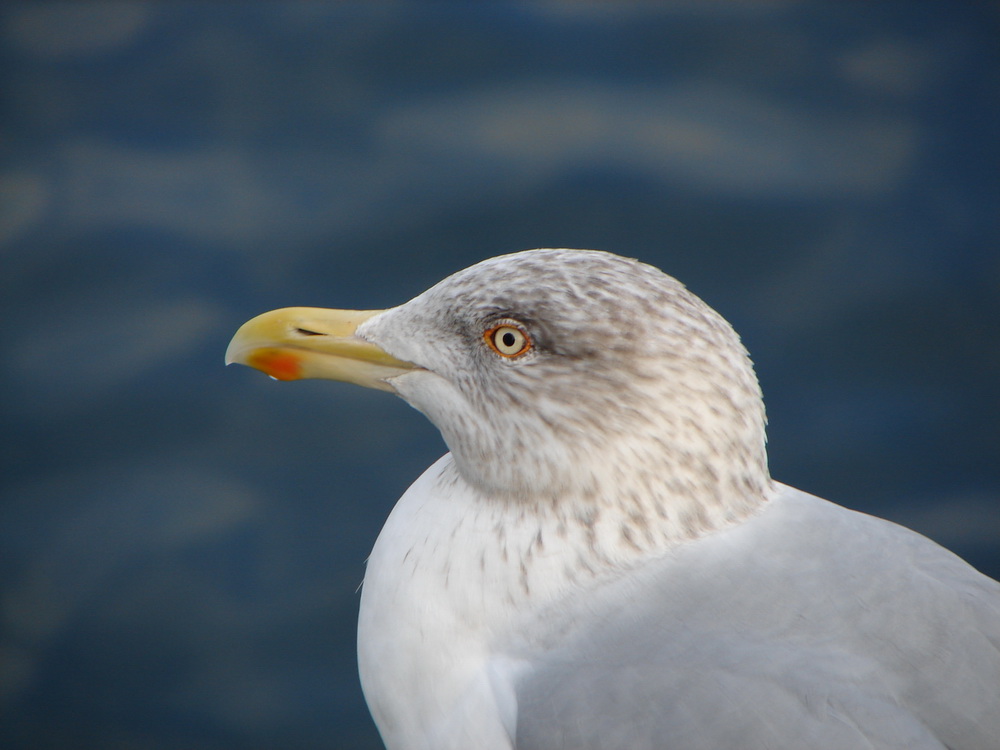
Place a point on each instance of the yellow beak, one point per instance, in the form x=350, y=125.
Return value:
x=311, y=342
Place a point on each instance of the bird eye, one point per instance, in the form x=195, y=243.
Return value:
x=507, y=340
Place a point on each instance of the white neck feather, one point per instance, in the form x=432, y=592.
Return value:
x=451, y=581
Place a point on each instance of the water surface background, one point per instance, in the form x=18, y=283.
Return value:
x=181, y=544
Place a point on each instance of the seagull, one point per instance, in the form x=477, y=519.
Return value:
x=602, y=560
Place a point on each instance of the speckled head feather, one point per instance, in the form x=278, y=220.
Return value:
x=635, y=393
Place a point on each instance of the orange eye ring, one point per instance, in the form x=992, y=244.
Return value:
x=508, y=340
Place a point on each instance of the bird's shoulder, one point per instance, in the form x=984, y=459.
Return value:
x=809, y=625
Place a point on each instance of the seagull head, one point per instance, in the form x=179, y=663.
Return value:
x=553, y=374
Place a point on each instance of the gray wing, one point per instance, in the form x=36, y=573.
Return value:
x=810, y=626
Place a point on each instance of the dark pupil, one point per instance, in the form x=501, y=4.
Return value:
x=508, y=339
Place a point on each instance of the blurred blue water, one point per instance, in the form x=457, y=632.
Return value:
x=180, y=544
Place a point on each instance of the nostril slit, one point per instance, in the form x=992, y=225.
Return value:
x=307, y=332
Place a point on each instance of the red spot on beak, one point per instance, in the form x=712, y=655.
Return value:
x=280, y=365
